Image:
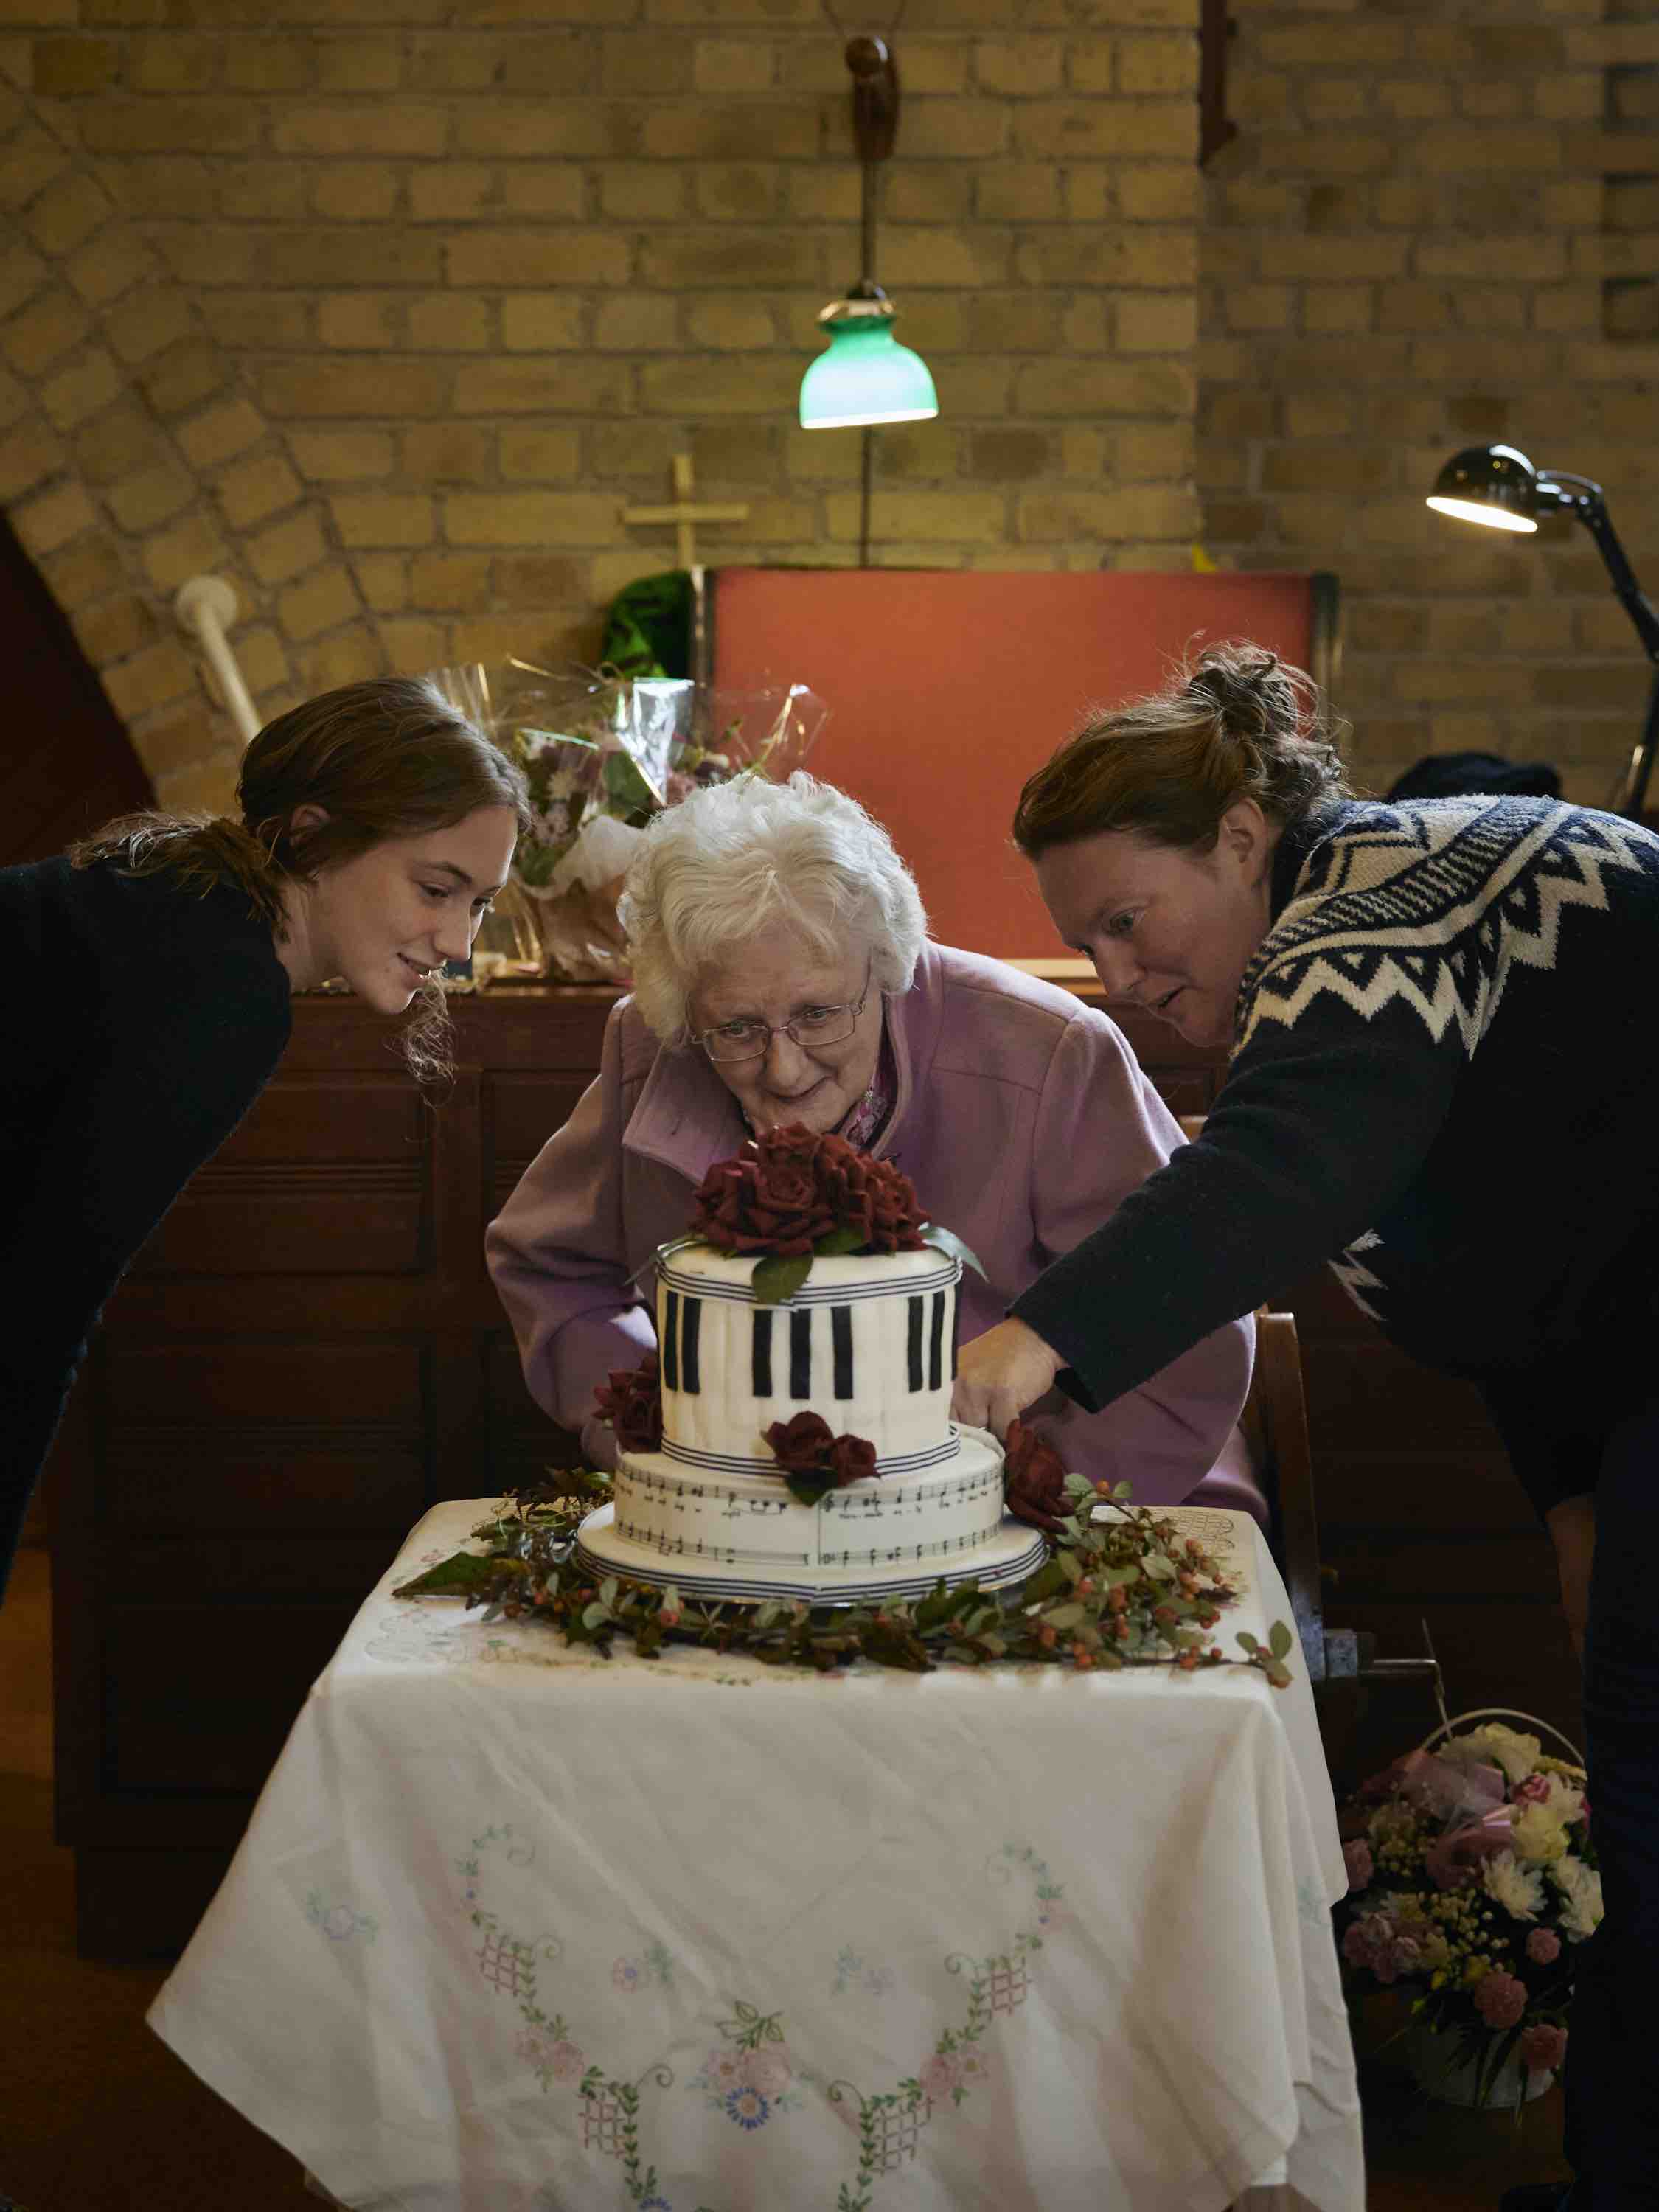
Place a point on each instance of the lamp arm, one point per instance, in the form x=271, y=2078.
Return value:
x=1586, y=502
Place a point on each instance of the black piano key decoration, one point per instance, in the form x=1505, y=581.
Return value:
x=800, y=1354
x=841, y=1339
x=760, y=1357
x=670, y=1340
x=691, y=1322
x=936, y=1344
x=916, y=1306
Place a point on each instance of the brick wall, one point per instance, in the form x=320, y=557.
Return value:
x=1439, y=227
x=387, y=319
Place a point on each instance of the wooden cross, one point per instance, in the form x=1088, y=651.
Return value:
x=684, y=512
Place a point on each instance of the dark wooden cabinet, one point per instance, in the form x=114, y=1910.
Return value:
x=310, y=1353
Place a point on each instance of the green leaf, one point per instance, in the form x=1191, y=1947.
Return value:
x=465, y=1571
x=946, y=1241
x=1048, y=1582
x=1066, y=1616
x=1071, y=1566
x=776, y=1280
x=1278, y=1639
x=807, y=1488
x=844, y=1239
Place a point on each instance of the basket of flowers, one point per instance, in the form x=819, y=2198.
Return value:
x=1473, y=1881
x=602, y=754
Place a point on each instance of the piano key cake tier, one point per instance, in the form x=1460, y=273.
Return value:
x=867, y=1343
x=740, y=1536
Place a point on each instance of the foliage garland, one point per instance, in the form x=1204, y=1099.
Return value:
x=1120, y=1588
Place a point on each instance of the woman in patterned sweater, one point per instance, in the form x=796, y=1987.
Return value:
x=1444, y=1064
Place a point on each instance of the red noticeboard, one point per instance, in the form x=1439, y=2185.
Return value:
x=947, y=688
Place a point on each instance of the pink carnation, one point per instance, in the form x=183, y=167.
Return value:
x=1357, y=1857
x=1454, y=1860
x=1534, y=1790
x=1500, y=1999
x=1543, y=2047
x=1543, y=1946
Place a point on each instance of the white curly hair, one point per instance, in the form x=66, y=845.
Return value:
x=742, y=859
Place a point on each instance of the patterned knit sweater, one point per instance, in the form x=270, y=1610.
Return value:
x=1444, y=1081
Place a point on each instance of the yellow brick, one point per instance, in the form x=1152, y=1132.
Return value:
x=52, y=519
x=546, y=518
x=541, y=322
x=287, y=548
x=451, y=322
x=1337, y=100
x=350, y=657
x=542, y=456
x=493, y=637
x=736, y=384
x=268, y=64
x=733, y=191
x=178, y=740
x=1102, y=388
x=150, y=497
x=364, y=322
x=642, y=193
x=936, y=194
x=1019, y=66
x=22, y=273
x=1414, y=100
x=208, y=784
x=672, y=261
x=731, y=65
x=1159, y=63
x=338, y=455
x=730, y=322
x=1343, y=256
x=366, y=388
x=62, y=68
x=549, y=192
x=219, y=434
x=172, y=62
x=322, y=601
x=1333, y=153
x=1149, y=255
x=141, y=328
x=258, y=320
x=192, y=546
x=383, y=519
x=454, y=191
x=44, y=332
x=85, y=569
x=254, y=490
x=1155, y=511
x=927, y=518
x=823, y=195
x=411, y=647
x=610, y=572
x=113, y=628
x=574, y=385
x=183, y=376
x=1163, y=450
x=1091, y=64
x=262, y=658
x=158, y=125
x=776, y=129
x=67, y=213
x=1105, y=130
x=359, y=61
x=1328, y=307
x=637, y=322
x=116, y=443
x=383, y=580
x=27, y=164
x=154, y=678
x=84, y=388
x=527, y=259
x=449, y=582
x=1018, y=191
x=108, y=266
x=967, y=258
x=356, y=191
x=394, y=130
x=1468, y=146
x=527, y=580
x=1011, y=456
x=447, y=452
x=560, y=130
x=1157, y=322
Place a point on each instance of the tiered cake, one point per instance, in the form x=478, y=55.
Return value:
x=868, y=1344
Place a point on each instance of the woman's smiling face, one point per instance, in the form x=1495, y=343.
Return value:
x=773, y=980
x=1167, y=928
x=387, y=919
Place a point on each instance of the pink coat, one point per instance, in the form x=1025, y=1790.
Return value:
x=1022, y=1117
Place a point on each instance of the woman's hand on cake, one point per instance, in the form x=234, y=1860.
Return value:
x=1001, y=1373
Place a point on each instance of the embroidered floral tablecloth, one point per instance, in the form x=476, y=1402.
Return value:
x=515, y=1929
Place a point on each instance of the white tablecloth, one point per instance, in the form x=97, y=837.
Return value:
x=516, y=1928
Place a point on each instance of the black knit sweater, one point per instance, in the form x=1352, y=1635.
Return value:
x=144, y=1022
x=1445, y=1081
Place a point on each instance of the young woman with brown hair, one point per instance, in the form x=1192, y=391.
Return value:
x=1444, y=1064
x=156, y=962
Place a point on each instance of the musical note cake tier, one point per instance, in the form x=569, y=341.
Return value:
x=868, y=1344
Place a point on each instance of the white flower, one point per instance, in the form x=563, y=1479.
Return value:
x=1517, y=1888
x=1538, y=1834
x=1581, y=1889
x=1518, y=1755
x=1564, y=1802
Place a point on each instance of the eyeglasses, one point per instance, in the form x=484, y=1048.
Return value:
x=814, y=1025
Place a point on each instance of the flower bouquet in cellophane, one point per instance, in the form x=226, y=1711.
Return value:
x=603, y=753
x=1472, y=1881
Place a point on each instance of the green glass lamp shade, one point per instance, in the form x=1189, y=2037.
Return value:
x=1490, y=484
x=864, y=376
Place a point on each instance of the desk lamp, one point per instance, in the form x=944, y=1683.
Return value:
x=1500, y=489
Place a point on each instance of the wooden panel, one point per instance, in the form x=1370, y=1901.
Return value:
x=200, y=1697
x=520, y=1113
x=322, y=1177
x=947, y=688
x=279, y=1389
x=245, y=1481
x=524, y=1443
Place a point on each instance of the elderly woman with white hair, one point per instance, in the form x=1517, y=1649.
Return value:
x=783, y=974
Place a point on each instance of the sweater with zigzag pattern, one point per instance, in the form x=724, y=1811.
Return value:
x=1443, y=1081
